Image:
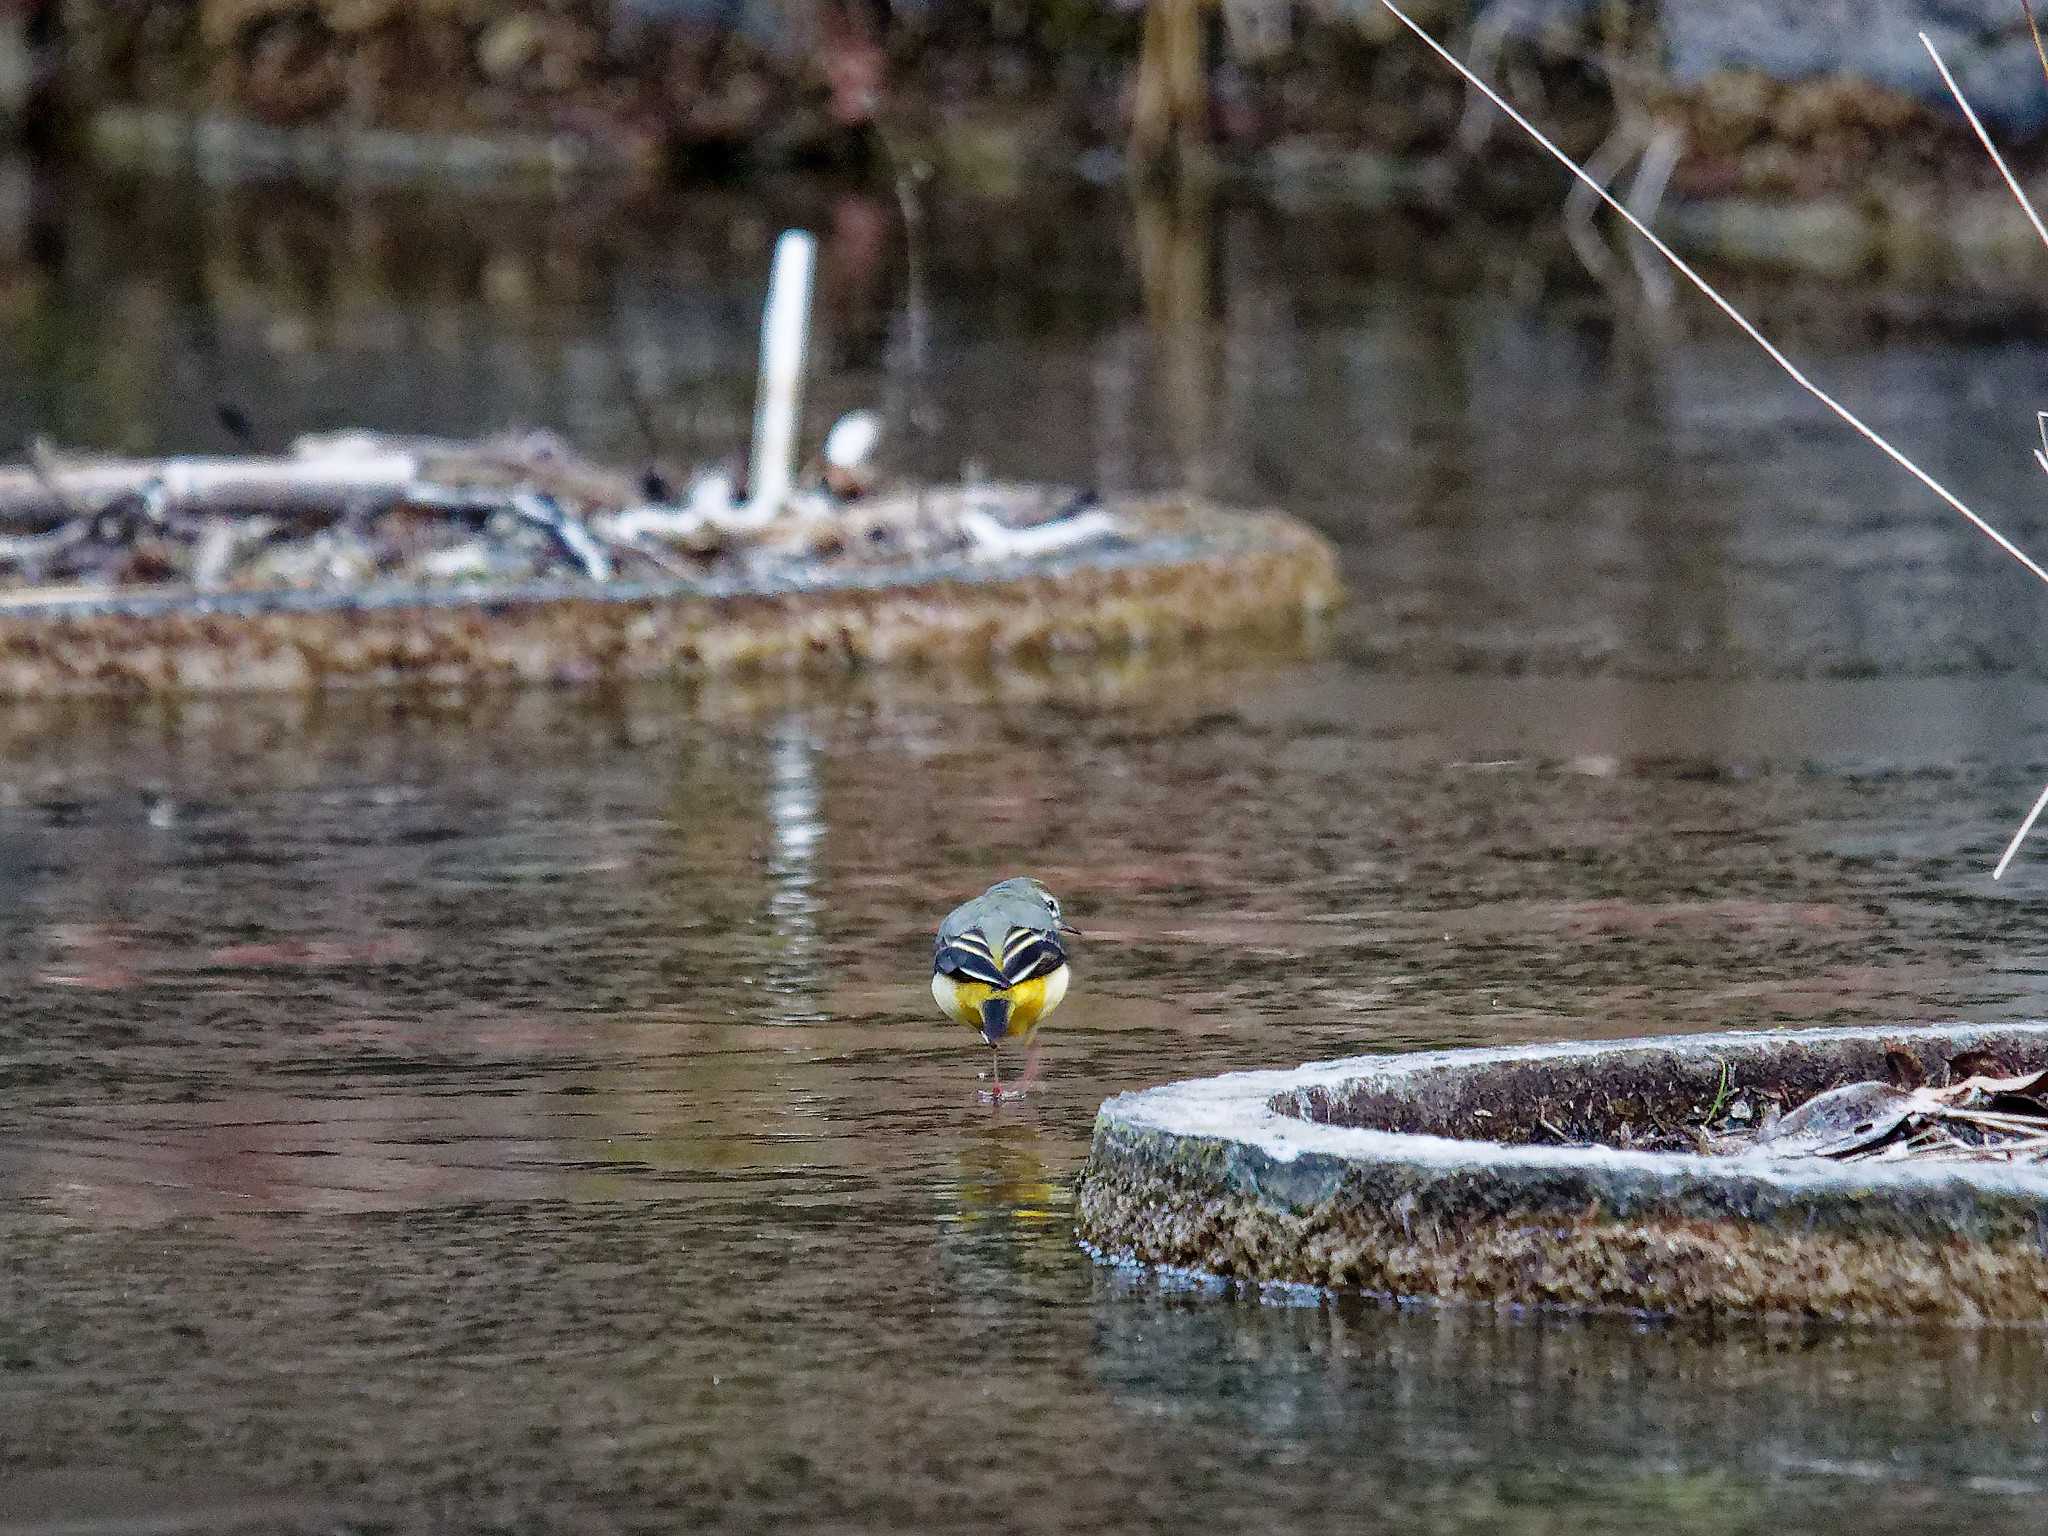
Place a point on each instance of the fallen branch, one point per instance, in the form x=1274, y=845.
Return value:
x=324, y=487
x=997, y=540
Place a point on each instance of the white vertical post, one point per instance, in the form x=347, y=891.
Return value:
x=785, y=335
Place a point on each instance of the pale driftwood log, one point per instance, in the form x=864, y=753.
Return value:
x=323, y=476
x=58, y=490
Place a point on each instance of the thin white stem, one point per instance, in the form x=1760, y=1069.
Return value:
x=1854, y=421
x=1984, y=138
x=2041, y=417
x=1791, y=369
x=2020, y=836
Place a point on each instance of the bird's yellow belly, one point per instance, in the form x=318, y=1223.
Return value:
x=1030, y=1001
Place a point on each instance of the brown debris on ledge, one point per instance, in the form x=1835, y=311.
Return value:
x=1975, y=1118
x=350, y=510
x=363, y=559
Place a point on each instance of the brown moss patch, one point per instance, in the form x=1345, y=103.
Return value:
x=1589, y=1259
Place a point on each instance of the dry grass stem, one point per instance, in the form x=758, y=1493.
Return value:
x=2020, y=836
x=1713, y=296
x=1984, y=137
x=2034, y=29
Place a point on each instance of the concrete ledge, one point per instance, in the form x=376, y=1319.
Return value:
x=1366, y=1173
x=1188, y=573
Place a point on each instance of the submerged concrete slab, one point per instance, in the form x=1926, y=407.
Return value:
x=1426, y=1176
x=1185, y=572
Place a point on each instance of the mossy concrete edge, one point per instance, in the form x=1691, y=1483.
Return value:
x=1216, y=1175
x=1192, y=572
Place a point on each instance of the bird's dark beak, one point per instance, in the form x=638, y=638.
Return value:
x=1070, y=928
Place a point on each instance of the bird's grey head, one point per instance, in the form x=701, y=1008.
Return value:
x=1023, y=887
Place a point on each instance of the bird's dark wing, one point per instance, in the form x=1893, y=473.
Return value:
x=1030, y=952
x=967, y=955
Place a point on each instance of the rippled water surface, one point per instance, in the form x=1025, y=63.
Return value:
x=528, y=1112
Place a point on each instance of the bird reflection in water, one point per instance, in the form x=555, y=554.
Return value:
x=1002, y=1177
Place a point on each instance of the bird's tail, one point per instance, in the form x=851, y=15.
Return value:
x=995, y=1018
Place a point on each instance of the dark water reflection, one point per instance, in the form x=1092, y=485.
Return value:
x=526, y=1112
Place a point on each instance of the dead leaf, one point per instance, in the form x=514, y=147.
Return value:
x=1838, y=1122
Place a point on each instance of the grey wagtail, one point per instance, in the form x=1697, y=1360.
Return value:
x=999, y=967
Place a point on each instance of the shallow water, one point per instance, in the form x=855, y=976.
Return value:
x=527, y=1111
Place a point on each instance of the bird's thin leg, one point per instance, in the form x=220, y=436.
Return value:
x=995, y=1062
x=1030, y=1070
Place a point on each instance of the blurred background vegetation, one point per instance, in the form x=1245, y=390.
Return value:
x=1765, y=97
